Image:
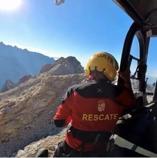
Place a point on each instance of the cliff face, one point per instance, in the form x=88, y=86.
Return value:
x=26, y=111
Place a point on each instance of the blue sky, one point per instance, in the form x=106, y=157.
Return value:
x=77, y=28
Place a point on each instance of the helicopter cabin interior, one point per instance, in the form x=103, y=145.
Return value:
x=144, y=27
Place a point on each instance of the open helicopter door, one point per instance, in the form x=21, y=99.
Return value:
x=136, y=132
x=144, y=15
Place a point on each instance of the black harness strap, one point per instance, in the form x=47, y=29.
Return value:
x=90, y=137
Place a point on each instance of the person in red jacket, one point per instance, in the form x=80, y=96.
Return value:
x=92, y=108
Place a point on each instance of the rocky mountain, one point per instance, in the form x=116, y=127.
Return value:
x=16, y=62
x=64, y=66
x=26, y=111
x=8, y=85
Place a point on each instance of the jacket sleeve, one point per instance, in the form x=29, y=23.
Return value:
x=63, y=112
x=126, y=98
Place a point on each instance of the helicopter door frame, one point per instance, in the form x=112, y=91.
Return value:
x=143, y=40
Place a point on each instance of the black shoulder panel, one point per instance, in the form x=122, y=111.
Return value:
x=98, y=89
x=94, y=89
x=69, y=92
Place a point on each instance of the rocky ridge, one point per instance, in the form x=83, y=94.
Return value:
x=26, y=111
x=69, y=65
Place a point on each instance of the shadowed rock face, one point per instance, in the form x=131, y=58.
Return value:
x=26, y=111
x=8, y=85
x=24, y=78
x=46, y=68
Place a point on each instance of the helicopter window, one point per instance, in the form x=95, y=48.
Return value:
x=134, y=56
x=151, y=75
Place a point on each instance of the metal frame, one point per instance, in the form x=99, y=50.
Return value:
x=143, y=30
x=141, y=34
x=130, y=10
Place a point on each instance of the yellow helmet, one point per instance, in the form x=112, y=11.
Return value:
x=103, y=62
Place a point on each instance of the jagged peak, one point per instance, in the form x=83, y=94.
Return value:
x=68, y=65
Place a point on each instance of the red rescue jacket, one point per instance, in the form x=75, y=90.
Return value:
x=92, y=107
